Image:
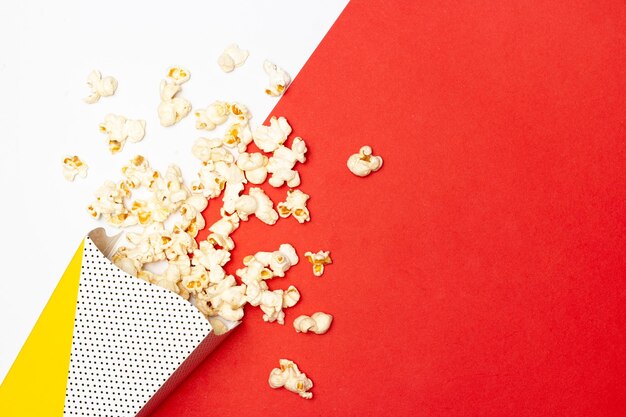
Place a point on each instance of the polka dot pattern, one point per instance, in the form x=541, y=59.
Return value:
x=129, y=337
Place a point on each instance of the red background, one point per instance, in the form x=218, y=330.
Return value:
x=481, y=271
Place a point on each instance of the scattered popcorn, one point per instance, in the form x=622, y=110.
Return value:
x=216, y=114
x=100, y=86
x=318, y=260
x=364, y=163
x=209, y=183
x=224, y=299
x=238, y=135
x=138, y=173
x=254, y=165
x=73, y=166
x=278, y=261
x=291, y=297
x=221, y=230
x=232, y=57
x=109, y=204
x=318, y=323
x=172, y=108
x=119, y=130
x=279, y=79
x=219, y=327
x=272, y=306
x=258, y=201
x=211, y=150
x=168, y=214
x=177, y=75
x=281, y=164
x=269, y=138
x=295, y=206
x=289, y=376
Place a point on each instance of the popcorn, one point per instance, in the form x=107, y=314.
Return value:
x=194, y=205
x=282, y=162
x=171, y=280
x=318, y=323
x=254, y=166
x=73, y=166
x=240, y=112
x=364, y=163
x=197, y=279
x=232, y=57
x=216, y=114
x=279, y=261
x=257, y=203
x=279, y=79
x=225, y=299
x=109, y=204
x=254, y=271
x=211, y=150
x=235, y=180
x=169, y=191
x=149, y=245
x=128, y=265
x=269, y=138
x=219, y=328
x=212, y=259
x=291, y=297
x=100, y=86
x=221, y=230
x=196, y=272
x=138, y=173
x=172, y=108
x=318, y=260
x=239, y=136
x=290, y=377
x=209, y=183
x=181, y=245
x=295, y=206
x=177, y=75
x=119, y=130
x=272, y=306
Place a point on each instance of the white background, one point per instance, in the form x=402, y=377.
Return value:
x=47, y=48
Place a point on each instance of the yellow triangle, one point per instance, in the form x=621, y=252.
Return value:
x=35, y=384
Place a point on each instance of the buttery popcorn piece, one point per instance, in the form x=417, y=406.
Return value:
x=109, y=204
x=173, y=108
x=232, y=57
x=178, y=75
x=238, y=135
x=269, y=138
x=289, y=376
x=318, y=323
x=222, y=229
x=211, y=150
x=119, y=130
x=73, y=166
x=257, y=203
x=291, y=297
x=216, y=114
x=137, y=173
x=254, y=165
x=279, y=261
x=100, y=86
x=281, y=164
x=278, y=79
x=364, y=163
x=318, y=260
x=295, y=206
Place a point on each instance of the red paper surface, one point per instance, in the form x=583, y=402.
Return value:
x=481, y=271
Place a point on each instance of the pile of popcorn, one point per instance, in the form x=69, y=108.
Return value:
x=169, y=212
